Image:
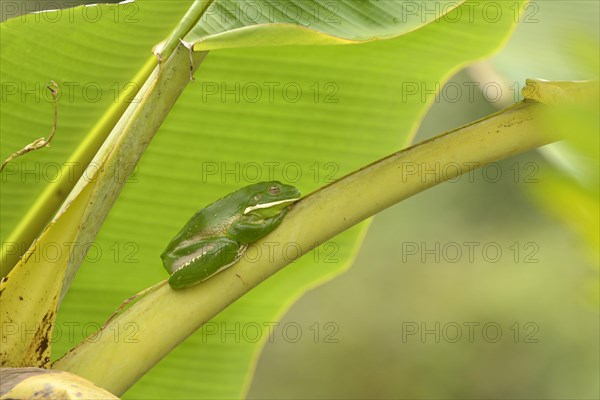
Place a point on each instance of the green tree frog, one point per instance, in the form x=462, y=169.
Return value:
x=217, y=236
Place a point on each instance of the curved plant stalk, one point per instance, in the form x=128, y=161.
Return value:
x=164, y=318
x=557, y=92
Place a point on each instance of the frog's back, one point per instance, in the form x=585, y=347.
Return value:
x=212, y=220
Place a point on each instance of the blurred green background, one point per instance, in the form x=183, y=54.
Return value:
x=398, y=312
x=370, y=320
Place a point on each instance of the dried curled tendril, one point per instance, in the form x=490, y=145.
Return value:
x=41, y=142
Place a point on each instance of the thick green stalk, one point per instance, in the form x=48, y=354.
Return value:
x=52, y=197
x=166, y=317
x=33, y=289
x=49, y=201
x=127, y=142
x=189, y=20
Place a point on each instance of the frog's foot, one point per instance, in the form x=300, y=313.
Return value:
x=240, y=253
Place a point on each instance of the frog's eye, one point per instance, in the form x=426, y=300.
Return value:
x=274, y=190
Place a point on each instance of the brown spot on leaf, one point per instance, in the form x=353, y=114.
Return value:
x=41, y=353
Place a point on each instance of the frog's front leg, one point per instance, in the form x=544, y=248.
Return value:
x=198, y=261
x=252, y=227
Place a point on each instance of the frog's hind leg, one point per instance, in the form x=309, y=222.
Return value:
x=240, y=253
x=203, y=260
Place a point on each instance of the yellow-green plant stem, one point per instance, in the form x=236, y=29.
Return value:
x=123, y=148
x=31, y=292
x=189, y=20
x=166, y=317
x=54, y=194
